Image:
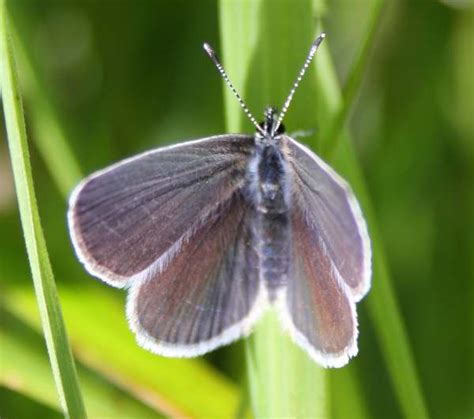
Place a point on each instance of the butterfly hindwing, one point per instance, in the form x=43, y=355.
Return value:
x=315, y=306
x=208, y=294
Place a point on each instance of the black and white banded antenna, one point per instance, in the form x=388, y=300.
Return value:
x=212, y=54
x=312, y=51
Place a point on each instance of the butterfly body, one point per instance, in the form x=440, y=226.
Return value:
x=269, y=193
x=208, y=233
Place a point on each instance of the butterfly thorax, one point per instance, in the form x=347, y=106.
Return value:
x=268, y=177
x=267, y=168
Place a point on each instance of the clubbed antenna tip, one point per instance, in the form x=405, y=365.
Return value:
x=317, y=41
x=209, y=50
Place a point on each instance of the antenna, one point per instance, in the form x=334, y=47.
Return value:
x=212, y=54
x=312, y=51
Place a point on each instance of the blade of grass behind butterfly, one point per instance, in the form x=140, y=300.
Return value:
x=168, y=385
x=382, y=304
x=14, y=404
x=264, y=44
x=354, y=80
x=61, y=359
x=346, y=398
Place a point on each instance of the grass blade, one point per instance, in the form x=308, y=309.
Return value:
x=28, y=372
x=360, y=62
x=49, y=133
x=381, y=301
x=166, y=385
x=56, y=339
x=332, y=107
x=15, y=404
x=353, y=82
x=159, y=382
x=258, y=47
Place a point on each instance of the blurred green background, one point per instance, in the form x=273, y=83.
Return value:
x=113, y=78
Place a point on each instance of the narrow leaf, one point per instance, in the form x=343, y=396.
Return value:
x=109, y=348
x=354, y=80
x=56, y=339
x=262, y=54
x=160, y=382
x=28, y=372
x=381, y=301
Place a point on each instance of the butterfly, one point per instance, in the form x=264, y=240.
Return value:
x=207, y=234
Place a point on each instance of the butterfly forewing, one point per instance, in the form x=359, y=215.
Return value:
x=332, y=212
x=209, y=294
x=137, y=213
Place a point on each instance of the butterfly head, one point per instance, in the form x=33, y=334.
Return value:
x=270, y=126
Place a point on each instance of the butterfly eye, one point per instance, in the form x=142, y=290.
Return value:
x=281, y=129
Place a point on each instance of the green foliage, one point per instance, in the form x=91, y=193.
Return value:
x=105, y=80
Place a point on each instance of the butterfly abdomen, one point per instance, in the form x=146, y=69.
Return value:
x=274, y=250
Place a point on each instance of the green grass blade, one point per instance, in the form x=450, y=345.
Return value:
x=382, y=304
x=347, y=397
x=283, y=381
x=49, y=134
x=14, y=404
x=161, y=382
x=353, y=82
x=58, y=347
x=258, y=48
x=381, y=301
x=28, y=372
x=167, y=385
